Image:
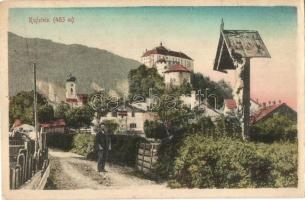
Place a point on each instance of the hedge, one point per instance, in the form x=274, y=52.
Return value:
x=61, y=141
x=123, y=148
x=206, y=162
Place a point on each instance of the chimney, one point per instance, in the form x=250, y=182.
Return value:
x=274, y=102
x=280, y=101
x=269, y=102
x=145, y=50
x=161, y=44
x=264, y=104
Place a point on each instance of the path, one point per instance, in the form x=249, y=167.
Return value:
x=72, y=171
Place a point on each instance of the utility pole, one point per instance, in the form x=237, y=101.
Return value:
x=35, y=101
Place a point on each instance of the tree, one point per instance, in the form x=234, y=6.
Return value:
x=172, y=113
x=62, y=110
x=154, y=129
x=227, y=126
x=45, y=113
x=111, y=125
x=278, y=127
x=221, y=89
x=22, y=107
x=80, y=117
x=142, y=79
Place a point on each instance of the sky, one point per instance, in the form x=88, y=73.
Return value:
x=128, y=31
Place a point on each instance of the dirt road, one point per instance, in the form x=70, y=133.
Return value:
x=72, y=171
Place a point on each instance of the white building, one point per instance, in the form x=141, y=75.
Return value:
x=176, y=75
x=129, y=118
x=230, y=106
x=190, y=101
x=72, y=98
x=162, y=58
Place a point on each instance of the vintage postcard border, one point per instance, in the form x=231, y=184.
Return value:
x=174, y=193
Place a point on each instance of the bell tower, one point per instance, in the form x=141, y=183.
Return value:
x=71, y=87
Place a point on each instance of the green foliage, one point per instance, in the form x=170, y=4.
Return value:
x=21, y=106
x=284, y=159
x=221, y=89
x=154, y=129
x=142, y=79
x=206, y=162
x=83, y=144
x=123, y=148
x=172, y=113
x=79, y=117
x=45, y=113
x=228, y=126
x=60, y=141
x=111, y=126
x=61, y=111
x=276, y=128
x=204, y=125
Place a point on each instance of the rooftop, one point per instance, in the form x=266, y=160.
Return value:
x=230, y=103
x=177, y=68
x=164, y=51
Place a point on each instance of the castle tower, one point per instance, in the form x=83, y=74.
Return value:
x=71, y=88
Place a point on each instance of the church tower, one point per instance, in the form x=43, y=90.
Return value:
x=71, y=88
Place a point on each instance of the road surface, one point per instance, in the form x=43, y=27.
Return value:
x=72, y=171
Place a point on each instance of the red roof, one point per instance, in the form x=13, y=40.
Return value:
x=56, y=123
x=82, y=97
x=264, y=112
x=17, y=123
x=163, y=51
x=230, y=103
x=177, y=68
x=71, y=100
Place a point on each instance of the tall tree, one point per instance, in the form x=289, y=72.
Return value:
x=142, y=79
x=21, y=107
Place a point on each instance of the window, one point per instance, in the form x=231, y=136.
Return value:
x=133, y=125
x=132, y=114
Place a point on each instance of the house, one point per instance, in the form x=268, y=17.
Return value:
x=56, y=126
x=162, y=58
x=272, y=109
x=190, y=101
x=72, y=98
x=129, y=118
x=254, y=106
x=176, y=75
x=230, y=106
x=209, y=111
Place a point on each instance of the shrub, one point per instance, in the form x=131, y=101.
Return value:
x=284, y=159
x=154, y=129
x=206, y=162
x=276, y=128
x=60, y=141
x=83, y=144
x=111, y=125
x=123, y=148
x=227, y=126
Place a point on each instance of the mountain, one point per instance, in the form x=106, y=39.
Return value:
x=55, y=61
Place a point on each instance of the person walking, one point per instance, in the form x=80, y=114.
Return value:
x=103, y=145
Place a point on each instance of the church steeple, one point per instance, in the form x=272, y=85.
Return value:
x=71, y=87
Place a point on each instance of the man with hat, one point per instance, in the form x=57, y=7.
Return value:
x=103, y=145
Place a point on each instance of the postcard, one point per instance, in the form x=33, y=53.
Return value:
x=152, y=99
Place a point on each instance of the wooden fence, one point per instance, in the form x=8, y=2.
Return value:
x=25, y=162
x=147, y=157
